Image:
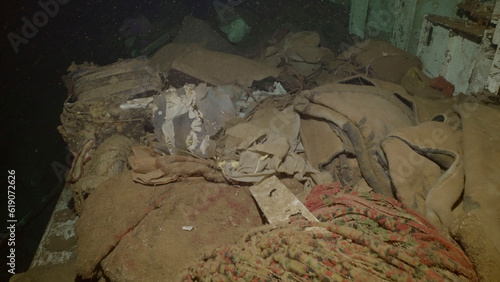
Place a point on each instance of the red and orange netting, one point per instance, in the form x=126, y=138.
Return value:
x=359, y=236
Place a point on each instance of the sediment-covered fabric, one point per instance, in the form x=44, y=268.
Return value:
x=426, y=168
x=360, y=116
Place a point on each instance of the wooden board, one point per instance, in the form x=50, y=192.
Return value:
x=277, y=202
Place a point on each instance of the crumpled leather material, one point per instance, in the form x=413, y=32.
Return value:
x=360, y=116
x=268, y=144
x=426, y=169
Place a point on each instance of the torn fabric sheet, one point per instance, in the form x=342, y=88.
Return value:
x=268, y=144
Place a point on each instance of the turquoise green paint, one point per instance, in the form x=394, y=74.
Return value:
x=396, y=21
x=346, y=3
x=380, y=21
x=403, y=23
x=357, y=17
x=442, y=8
x=236, y=30
x=372, y=19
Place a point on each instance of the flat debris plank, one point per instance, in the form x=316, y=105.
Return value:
x=277, y=202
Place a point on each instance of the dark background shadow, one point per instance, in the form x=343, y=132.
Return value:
x=33, y=93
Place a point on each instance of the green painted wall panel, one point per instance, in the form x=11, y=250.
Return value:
x=396, y=21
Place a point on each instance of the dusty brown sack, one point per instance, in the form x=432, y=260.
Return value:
x=300, y=50
x=151, y=169
x=199, y=31
x=360, y=116
x=214, y=68
x=99, y=232
x=133, y=232
x=426, y=169
x=469, y=233
x=481, y=154
x=96, y=95
x=109, y=159
x=373, y=58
